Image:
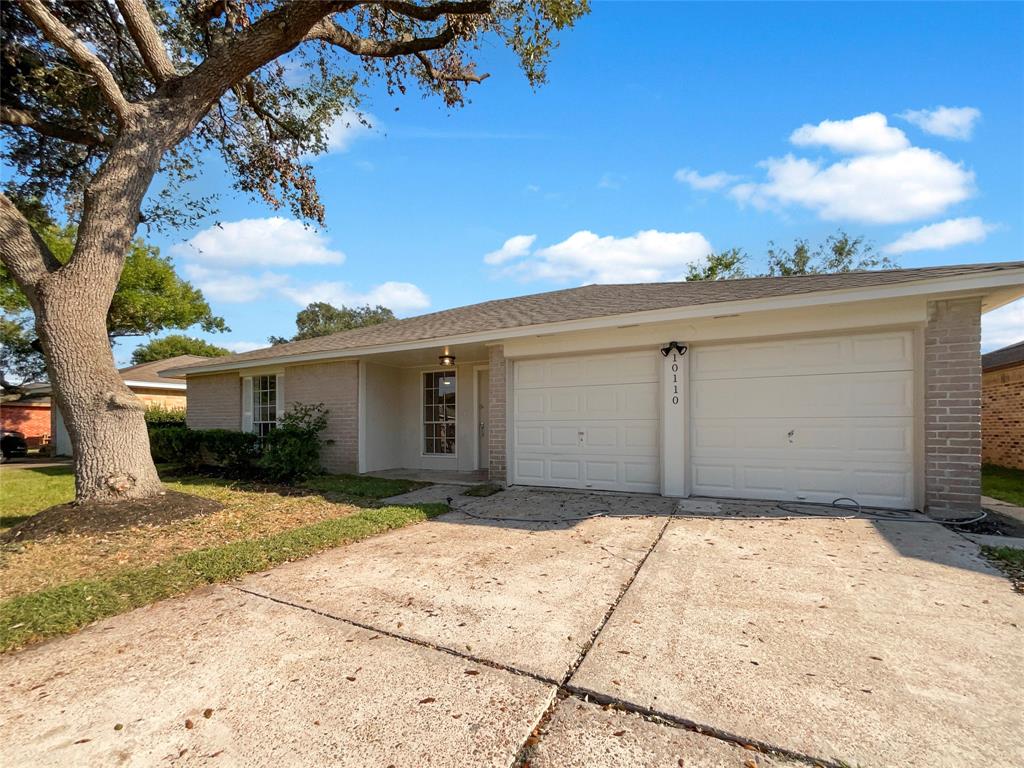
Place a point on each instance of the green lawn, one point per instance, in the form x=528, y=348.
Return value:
x=1003, y=483
x=61, y=583
x=23, y=491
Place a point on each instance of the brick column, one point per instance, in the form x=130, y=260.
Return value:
x=952, y=370
x=497, y=391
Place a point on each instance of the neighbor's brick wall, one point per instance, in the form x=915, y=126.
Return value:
x=952, y=348
x=33, y=421
x=214, y=402
x=497, y=388
x=1002, y=417
x=160, y=398
x=336, y=385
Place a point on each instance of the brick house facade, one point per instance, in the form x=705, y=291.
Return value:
x=1002, y=407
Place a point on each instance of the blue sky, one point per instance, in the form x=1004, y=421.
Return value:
x=697, y=125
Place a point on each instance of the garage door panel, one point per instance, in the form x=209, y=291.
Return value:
x=588, y=422
x=856, y=353
x=808, y=419
x=818, y=395
x=625, y=368
x=851, y=440
x=637, y=438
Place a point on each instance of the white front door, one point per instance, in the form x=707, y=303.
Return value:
x=811, y=419
x=588, y=421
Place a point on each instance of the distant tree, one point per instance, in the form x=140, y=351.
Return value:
x=150, y=297
x=838, y=253
x=322, y=319
x=724, y=265
x=174, y=345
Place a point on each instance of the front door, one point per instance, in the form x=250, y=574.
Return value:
x=482, y=392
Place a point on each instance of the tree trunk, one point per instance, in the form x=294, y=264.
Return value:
x=104, y=418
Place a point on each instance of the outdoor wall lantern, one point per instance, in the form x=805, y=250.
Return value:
x=447, y=359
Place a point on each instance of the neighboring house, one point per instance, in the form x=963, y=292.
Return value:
x=29, y=415
x=865, y=384
x=145, y=380
x=1002, y=406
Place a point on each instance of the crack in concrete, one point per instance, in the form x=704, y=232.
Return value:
x=563, y=689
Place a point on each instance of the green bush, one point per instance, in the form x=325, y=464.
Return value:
x=292, y=451
x=158, y=416
x=176, y=444
x=237, y=452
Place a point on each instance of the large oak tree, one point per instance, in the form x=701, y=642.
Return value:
x=98, y=97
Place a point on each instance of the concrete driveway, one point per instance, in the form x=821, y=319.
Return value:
x=555, y=629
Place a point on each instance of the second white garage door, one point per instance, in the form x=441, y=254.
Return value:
x=806, y=419
x=587, y=422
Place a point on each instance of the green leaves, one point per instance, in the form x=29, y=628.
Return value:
x=173, y=345
x=321, y=319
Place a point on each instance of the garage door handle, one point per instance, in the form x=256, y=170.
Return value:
x=790, y=435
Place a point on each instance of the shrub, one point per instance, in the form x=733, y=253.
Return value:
x=237, y=452
x=176, y=444
x=159, y=416
x=292, y=451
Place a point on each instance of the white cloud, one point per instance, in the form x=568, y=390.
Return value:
x=610, y=181
x=945, y=234
x=512, y=248
x=346, y=128
x=585, y=257
x=704, y=182
x=910, y=184
x=1003, y=326
x=402, y=298
x=271, y=240
x=231, y=287
x=949, y=122
x=242, y=346
x=866, y=134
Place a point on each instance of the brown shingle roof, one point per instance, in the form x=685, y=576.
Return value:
x=150, y=372
x=592, y=301
x=1000, y=358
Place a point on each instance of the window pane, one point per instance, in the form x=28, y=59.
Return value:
x=439, y=412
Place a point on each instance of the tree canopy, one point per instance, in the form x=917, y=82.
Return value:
x=321, y=319
x=173, y=345
x=839, y=252
x=150, y=297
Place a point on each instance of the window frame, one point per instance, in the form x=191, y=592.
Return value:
x=422, y=414
x=252, y=422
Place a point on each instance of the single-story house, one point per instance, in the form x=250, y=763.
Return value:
x=1002, y=406
x=28, y=414
x=147, y=380
x=865, y=385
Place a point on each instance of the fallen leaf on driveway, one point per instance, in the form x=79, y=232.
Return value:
x=428, y=700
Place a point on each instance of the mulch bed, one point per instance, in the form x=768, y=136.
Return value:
x=92, y=517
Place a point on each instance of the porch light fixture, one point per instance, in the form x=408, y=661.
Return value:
x=447, y=359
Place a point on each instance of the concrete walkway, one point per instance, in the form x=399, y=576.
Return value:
x=561, y=629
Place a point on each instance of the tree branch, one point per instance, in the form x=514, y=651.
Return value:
x=147, y=39
x=21, y=117
x=333, y=33
x=462, y=75
x=434, y=11
x=22, y=251
x=56, y=32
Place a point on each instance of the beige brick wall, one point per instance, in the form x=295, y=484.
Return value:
x=336, y=385
x=160, y=398
x=952, y=348
x=214, y=401
x=497, y=417
x=1002, y=417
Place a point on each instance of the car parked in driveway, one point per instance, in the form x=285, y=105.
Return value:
x=13, y=444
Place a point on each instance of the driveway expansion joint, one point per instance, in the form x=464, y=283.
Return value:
x=406, y=638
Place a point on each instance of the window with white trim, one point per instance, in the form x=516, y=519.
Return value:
x=264, y=404
x=439, y=413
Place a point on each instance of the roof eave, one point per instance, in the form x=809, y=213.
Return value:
x=1011, y=280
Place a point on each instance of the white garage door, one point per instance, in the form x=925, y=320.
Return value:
x=806, y=419
x=587, y=422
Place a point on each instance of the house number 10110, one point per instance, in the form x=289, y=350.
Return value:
x=675, y=378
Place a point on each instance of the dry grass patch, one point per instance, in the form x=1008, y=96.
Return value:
x=248, y=513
